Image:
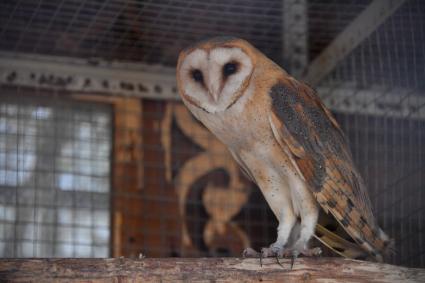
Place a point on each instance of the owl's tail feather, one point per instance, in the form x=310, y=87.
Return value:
x=338, y=244
x=388, y=249
x=348, y=249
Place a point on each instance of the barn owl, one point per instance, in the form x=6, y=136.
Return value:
x=287, y=142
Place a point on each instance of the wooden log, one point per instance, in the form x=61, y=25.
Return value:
x=203, y=270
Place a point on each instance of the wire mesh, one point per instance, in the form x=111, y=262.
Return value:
x=173, y=189
x=148, y=31
x=54, y=187
x=389, y=147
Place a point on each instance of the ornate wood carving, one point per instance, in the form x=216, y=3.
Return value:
x=221, y=202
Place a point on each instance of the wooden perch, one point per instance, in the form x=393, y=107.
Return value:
x=203, y=270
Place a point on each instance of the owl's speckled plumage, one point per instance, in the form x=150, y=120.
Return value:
x=285, y=140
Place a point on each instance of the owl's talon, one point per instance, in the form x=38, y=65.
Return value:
x=295, y=254
x=293, y=260
x=251, y=253
x=272, y=251
x=278, y=261
x=277, y=252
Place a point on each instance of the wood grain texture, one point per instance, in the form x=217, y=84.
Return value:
x=203, y=270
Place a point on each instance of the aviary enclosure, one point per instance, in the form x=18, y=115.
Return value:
x=99, y=158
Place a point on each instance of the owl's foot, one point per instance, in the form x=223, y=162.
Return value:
x=294, y=253
x=265, y=252
x=274, y=250
x=280, y=252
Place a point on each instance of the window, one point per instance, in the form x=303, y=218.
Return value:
x=54, y=177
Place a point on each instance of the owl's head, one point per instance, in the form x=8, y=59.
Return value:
x=212, y=75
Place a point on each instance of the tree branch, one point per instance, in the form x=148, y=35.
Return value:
x=203, y=270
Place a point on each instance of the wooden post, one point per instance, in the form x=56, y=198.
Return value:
x=127, y=175
x=203, y=270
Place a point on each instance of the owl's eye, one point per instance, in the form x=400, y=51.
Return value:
x=230, y=69
x=197, y=76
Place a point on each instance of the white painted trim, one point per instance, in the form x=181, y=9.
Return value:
x=378, y=101
x=88, y=76
x=53, y=72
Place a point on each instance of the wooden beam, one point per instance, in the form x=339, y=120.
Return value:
x=203, y=270
x=127, y=173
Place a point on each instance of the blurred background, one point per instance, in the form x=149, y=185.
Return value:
x=98, y=157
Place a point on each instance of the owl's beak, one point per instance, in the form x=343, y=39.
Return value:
x=214, y=95
x=213, y=91
x=213, y=84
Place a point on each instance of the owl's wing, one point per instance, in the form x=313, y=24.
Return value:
x=304, y=127
x=245, y=169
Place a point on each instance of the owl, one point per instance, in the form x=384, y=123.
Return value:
x=288, y=143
